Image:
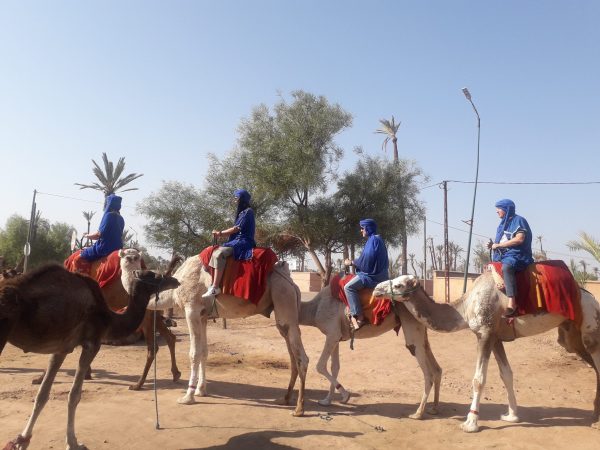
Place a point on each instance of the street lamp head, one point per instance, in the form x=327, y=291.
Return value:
x=467, y=93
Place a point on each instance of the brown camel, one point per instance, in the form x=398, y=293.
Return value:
x=281, y=295
x=51, y=310
x=480, y=309
x=327, y=313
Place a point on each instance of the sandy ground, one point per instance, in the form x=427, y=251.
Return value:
x=248, y=370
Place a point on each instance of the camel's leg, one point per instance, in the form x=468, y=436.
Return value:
x=170, y=339
x=331, y=351
x=88, y=353
x=293, y=367
x=298, y=363
x=43, y=394
x=507, y=378
x=485, y=344
x=5, y=329
x=415, y=336
x=198, y=354
x=147, y=328
x=591, y=341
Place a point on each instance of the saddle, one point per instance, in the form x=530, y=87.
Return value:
x=244, y=279
x=374, y=309
x=544, y=286
x=104, y=270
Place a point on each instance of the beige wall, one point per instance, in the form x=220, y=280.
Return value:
x=456, y=281
x=307, y=281
x=594, y=288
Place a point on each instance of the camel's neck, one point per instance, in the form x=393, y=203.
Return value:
x=122, y=325
x=442, y=317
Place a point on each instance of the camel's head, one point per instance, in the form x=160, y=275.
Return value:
x=398, y=288
x=152, y=281
x=131, y=259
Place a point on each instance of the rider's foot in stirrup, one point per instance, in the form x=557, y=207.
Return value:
x=212, y=292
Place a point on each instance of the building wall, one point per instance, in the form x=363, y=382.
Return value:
x=307, y=281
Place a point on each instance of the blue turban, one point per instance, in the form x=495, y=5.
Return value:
x=369, y=225
x=508, y=206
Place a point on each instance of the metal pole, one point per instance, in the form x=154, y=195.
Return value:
x=27, y=248
x=446, y=253
x=424, y=248
x=468, y=96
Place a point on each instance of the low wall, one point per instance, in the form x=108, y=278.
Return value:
x=307, y=281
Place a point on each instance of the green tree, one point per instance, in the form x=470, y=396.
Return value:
x=51, y=243
x=388, y=193
x=178, y=218
x=110, y=177
x=290, y=155
x=482, y=256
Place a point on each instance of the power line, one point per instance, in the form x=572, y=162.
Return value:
x=80, y=199
x=525, y=182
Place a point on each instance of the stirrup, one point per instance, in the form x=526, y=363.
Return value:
x=510, y=312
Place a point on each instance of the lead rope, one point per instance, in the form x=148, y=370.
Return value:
x=154, y=353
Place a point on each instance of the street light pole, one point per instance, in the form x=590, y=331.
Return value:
x=468, y=97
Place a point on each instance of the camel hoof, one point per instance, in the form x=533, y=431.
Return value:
x=176, y=376
x=135, y=387
x=77, y=447
x=37, y=380
x=201, y=392
x=596, y=425
x=345, y=397
x=469, y=426
x=298, y=413
x=282, y=401
x=510, y=418
x=433, y=411
x=325, y=402
x=416, y=416
x=186, y=400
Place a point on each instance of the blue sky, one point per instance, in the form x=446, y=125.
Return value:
x=165, y=83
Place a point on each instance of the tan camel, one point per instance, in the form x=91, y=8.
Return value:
x=480, y=309
x=327, y=313
x=282, y=296
x=71, y=311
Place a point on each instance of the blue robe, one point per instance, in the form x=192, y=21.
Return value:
x=243, y=241
x=111, y=231
x=521, y=255
x=372, y=264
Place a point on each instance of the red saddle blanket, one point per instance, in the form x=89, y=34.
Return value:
x=104, y=270
x=244, y=279
x=374, y=309
x=546, y=286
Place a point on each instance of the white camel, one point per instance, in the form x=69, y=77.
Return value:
x=327, y=313
x=480, y=309
x=281, y=295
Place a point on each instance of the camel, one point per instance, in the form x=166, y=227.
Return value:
x=327, y=313
x=281, y=295
x=480, y=309
x=70, y=310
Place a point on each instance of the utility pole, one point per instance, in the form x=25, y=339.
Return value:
x=446, y=253
x=27, y=248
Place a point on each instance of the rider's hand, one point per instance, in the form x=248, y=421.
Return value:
x=216, y=233
x=490, y=244
x=347, y=262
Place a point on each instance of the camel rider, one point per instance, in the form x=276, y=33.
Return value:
x=512, y=247
x=109, y=236
x=240, y=242
x=371, y=268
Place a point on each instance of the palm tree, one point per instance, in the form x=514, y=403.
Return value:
x=587, y=244
x=110, y=180
x=542, y=253
x=87, y=215
x=389, y=128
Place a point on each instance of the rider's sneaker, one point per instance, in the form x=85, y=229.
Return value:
x=212, y=291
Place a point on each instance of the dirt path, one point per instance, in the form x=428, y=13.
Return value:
x=248, y=370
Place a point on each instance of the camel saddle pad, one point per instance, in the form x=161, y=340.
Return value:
x=374, y=309
x=104, y=270
x=244, y=279
x=545, y=286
